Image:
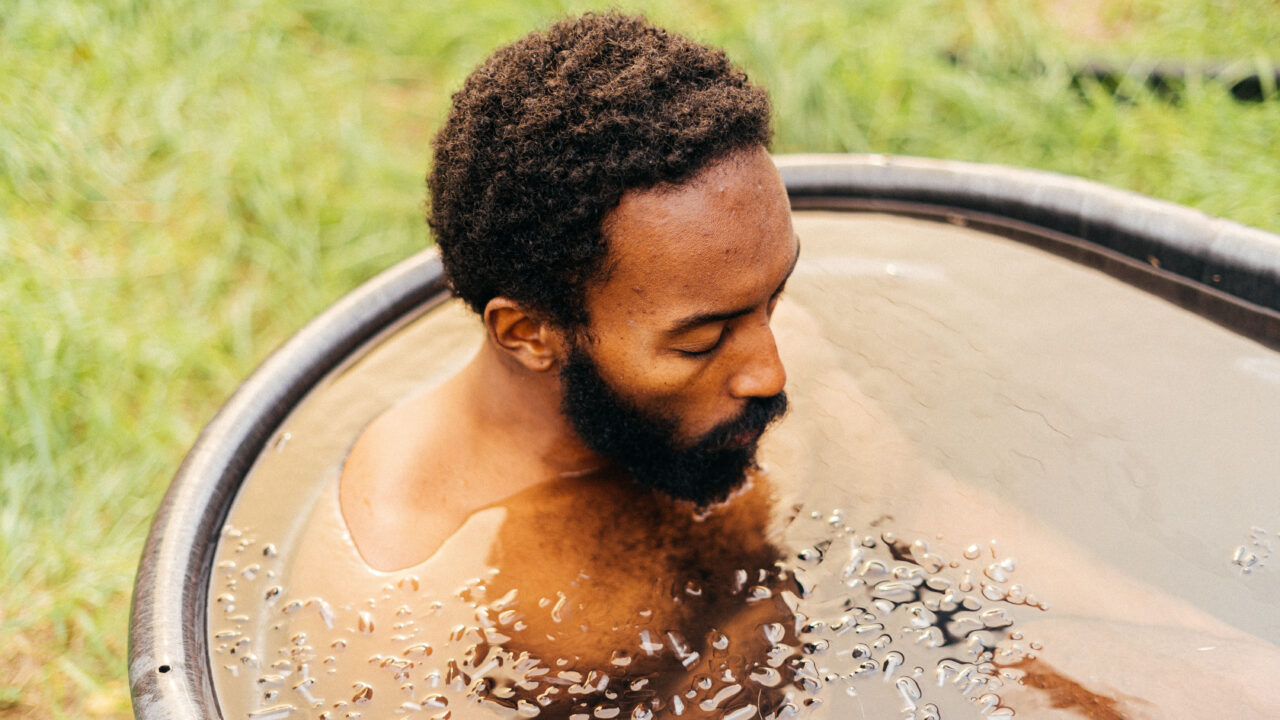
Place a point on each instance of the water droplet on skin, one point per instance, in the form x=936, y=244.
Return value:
x=364, y=623
x=758, y=593
x=604, y=711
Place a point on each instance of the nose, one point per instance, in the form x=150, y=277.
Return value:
x=761, y=373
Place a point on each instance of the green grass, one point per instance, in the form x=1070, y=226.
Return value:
x=183, y=184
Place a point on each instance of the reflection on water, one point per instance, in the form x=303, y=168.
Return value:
x=857, y=577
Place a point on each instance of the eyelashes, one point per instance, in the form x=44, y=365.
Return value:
x=705, y=351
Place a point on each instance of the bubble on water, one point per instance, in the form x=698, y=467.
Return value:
x=894, y=591
x=996, y=572
x=892, y=661
x=996, y=618
x=817, y=647
x=992, y=592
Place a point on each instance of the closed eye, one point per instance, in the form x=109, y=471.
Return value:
x=704, y=350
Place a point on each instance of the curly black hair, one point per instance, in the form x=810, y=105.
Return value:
x=546, y=135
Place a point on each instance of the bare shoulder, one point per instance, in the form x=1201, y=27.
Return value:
x=386, y=488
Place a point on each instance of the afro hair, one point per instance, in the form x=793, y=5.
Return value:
x=548, y=133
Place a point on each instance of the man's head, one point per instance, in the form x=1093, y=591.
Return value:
x=548, y=133
x=603, y=196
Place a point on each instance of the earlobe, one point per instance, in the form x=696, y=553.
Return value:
x=520, y=334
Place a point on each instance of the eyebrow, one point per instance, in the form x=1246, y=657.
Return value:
x=698, y=319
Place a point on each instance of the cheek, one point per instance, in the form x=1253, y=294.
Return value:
x=654, y=379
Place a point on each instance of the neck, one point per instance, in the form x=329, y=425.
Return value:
x=518, y=410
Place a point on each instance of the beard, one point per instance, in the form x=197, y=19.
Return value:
x=647, y=445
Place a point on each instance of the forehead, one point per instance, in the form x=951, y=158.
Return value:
x=722, y=239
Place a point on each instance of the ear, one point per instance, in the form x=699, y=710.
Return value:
x=522, y=335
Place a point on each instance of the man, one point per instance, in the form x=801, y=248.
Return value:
x=603, y=198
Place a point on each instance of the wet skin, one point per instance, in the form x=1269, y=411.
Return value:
x=679, y=326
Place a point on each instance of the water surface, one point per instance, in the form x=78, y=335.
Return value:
x=1009, y=485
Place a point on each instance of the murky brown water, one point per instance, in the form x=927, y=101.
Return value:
x=1009, y=485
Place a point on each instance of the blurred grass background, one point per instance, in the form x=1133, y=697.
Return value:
x=184, y=183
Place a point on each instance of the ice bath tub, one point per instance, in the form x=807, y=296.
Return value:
x=996, y=361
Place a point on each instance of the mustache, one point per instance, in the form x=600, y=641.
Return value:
x=758, y=415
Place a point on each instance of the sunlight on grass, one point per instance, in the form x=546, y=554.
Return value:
x=184, y=184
